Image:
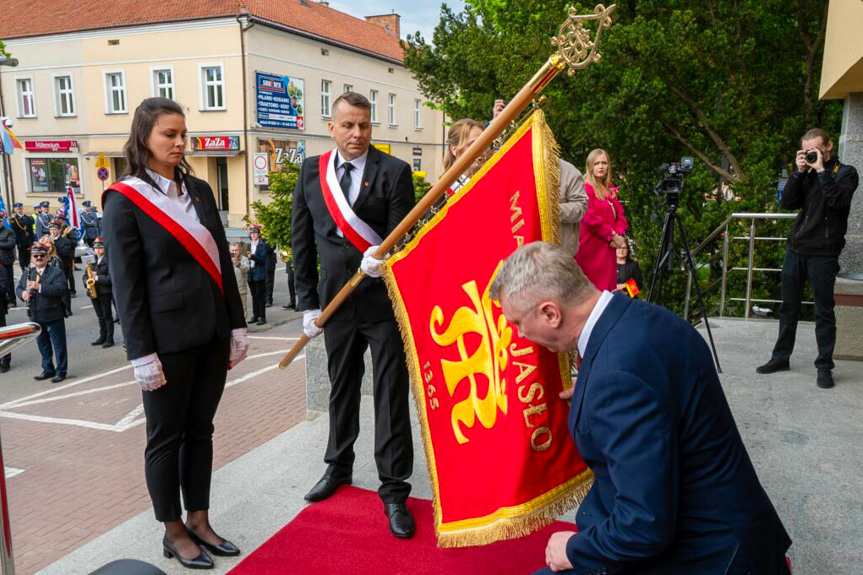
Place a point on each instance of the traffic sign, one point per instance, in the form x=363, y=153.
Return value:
x=102, y=162
x=102, y=174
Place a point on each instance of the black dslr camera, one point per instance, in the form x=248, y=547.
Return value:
x=811, y=157
x=672, y=176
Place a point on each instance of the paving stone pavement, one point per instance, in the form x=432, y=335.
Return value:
x=81, y=447
x=804, y=441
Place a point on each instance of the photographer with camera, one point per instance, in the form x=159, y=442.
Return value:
x=821, y=188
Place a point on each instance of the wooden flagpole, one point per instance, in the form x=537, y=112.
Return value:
x=575, y=50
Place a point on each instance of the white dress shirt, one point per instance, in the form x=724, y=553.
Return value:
x=181, y=197
x=252, y=249
x=359, y=164
x=601, y=304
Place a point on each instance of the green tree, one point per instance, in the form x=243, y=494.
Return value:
x=730, y=82
x=275, y=216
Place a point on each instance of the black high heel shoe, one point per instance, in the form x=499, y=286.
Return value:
x=223, y=549
x=202, y=561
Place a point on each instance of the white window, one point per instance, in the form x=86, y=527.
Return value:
x=163, y=83
x=373, y=100
x=115, y=92
x=417, y=108
x=64, y=95
x=212, y=87
x=391, y=110
x=325, y=98
x=348, y=88
x=26, y=98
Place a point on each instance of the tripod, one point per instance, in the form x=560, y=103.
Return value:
x=666, y=256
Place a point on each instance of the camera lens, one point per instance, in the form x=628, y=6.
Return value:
x=811, y=157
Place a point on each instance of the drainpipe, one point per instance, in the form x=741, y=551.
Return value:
x=245, y=24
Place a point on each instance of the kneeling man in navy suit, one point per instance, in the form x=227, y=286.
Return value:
x=675, y=491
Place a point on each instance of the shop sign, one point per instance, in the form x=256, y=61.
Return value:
x=261, y=165
x=215, y=143
x=280, y=101
x=51, y=146
x=385, y=148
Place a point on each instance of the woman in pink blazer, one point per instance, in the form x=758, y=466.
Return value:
x=603, y=226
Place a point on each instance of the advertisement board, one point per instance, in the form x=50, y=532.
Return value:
x=280, y=101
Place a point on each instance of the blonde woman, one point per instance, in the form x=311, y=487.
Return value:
x=603, y=226
x=461, y=135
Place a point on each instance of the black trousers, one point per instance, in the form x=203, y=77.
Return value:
x=271, y=283
x=346, y=343
x=292, y=290
x=102, y=307
x=70, y=276
x=24, y=257
x=179, y=452
x=6, y=359
x=258, y=289
x=821, y=272
x=7, y=281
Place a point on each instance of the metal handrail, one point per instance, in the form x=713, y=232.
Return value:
x=750, y=267
x=10, y=338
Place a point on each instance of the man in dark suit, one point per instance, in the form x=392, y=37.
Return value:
x=43, y=288
x=259, y=256
x=22, y=226
x=379, y=192
x=675, y=491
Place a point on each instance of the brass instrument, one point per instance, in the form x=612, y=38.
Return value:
x=91, y=282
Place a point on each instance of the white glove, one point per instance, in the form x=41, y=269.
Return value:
x=371, y=266
x=239, y=347
x=309, y=327
x=150, y=375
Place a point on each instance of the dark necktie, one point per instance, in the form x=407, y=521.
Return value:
x=345, y=180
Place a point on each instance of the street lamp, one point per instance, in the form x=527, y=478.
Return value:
x=7, y=61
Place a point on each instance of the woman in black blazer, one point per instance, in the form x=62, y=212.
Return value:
x=182, y=319
x=627, y=269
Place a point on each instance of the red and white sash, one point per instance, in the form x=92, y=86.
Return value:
x=191, y=234
x=355, y=230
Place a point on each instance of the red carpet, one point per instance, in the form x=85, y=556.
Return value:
x=347, y=534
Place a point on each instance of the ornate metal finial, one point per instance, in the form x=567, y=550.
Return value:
x=575, y=49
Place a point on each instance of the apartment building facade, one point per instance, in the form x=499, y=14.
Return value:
x=257, y=87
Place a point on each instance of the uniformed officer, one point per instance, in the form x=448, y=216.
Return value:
x=43, y=220
x=102, y=301
x=92, y=226
x=22, y=226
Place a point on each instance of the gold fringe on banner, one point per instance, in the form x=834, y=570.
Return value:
x=520, y=520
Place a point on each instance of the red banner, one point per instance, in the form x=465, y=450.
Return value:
x=500, y=457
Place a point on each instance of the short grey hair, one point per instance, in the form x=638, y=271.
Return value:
x=541, y=271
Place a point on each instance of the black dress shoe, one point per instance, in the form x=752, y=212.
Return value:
x=252, y=320
x=773, y=366
x=108, y=343
x=99, y=341
x=292, y=306
x=326, y=487
x=223, y=549
x=43, y=375
x=202, y=561
x=4, y=367
x=268, y=304
x=825, y=378
x=261, y=322
x=58, y=378
x=401, y=521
